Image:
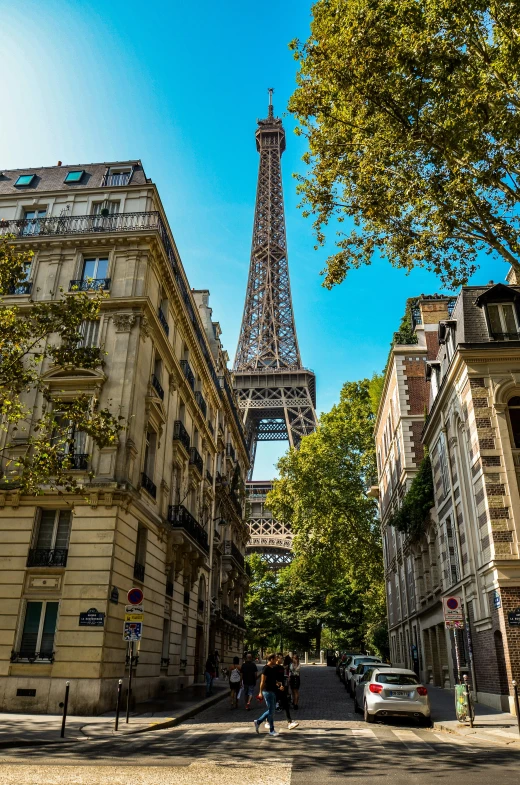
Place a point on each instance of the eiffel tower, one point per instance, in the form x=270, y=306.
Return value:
x=276, y=394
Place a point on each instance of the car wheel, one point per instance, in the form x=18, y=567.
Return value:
x=426, y=722
x=368, y=717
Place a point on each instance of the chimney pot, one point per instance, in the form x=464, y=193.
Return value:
x=59, y=163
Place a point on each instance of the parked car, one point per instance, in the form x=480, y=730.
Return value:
x=393, y=692
x=351, y=669
x=360, y=671
x=340, y=665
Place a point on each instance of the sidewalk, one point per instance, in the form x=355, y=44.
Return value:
x=27, y=730
x=491, y=725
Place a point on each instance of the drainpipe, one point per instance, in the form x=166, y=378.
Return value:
x=207, y=620
x=459, y=549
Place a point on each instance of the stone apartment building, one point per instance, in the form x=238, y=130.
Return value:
x=470, y=546
x=399, y=451
x=165, y=508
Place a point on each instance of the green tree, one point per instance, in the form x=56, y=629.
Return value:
x=46, y=332
x=410, y=108
x=322, y=495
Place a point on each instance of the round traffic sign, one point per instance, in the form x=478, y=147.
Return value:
x=135, y=596
x=452, y=603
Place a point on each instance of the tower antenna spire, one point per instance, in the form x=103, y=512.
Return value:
x=270, y=90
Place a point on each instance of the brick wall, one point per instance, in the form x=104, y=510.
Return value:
x=510, y=597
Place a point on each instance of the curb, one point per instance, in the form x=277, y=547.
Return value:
x=474, y=733
x=166, y=723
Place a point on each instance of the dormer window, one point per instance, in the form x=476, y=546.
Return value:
x=117, y=175
x=503, y=321
x=500, y=305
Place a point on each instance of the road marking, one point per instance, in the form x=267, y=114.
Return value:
x=368, y=736
x=411, y=740
x=450, y=739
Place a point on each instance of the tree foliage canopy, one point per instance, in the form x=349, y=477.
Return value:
x=410, y=108
x=337, y=571
x=414, y=511
x=48, y=333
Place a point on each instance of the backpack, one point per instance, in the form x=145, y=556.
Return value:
x=235, y=676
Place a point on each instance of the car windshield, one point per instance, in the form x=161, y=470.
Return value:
x=396, y=678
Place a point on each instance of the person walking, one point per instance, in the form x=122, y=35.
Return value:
x=295, y=681
x=268, y=693
x=235, y=682
x=282, y=692
x=249, y=677
x=209, y=674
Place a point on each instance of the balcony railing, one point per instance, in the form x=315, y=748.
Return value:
x=25, y=287
x=506, y=336
x=80, y=224
x=231, y=615
x=77, y=461
x=201, y=403
x=47, y=557
x=188, y=373
x=139, y=571
x=31, y=655
x=163, y=321
x=156, y=384
x=180, y=518
x=111, y=180
x=148, y=485
x=230, y=549
x=89, y=285
x=181, y=434
x=196, y=460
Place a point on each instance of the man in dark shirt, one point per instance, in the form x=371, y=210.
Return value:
x=268, y=687
x=249, y=676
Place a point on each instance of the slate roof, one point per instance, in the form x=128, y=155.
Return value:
x=50, y=178
x=473, y=320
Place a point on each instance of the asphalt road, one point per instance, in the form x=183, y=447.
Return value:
x=220, y=747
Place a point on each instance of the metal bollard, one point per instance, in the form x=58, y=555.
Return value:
x=65, y=707
x=468, y=699
x=118, y=703
x=517, y=703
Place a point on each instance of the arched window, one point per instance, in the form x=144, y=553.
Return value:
x=514, y=419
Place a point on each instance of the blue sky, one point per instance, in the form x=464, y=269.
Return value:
x=180, y=86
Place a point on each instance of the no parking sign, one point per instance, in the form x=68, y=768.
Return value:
x=453, y=614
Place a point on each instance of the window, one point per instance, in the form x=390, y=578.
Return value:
x=106, y=208
x=95, y=268
x=157, y=377
x=74, y=176
x=39, y=629
x=53, y=529
x=149, y=453
x=503, y=321
x=514, y=419
x=25, y=179
x=443, y=464
x=32, y=220
x=396, y=678
x=89, y=334
x=117, y=175
x=72, y=441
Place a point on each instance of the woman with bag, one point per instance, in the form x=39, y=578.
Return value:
x=295, y=681
x=235, y=682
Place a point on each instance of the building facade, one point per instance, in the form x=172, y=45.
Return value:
x=469, y=547
x=164, y=509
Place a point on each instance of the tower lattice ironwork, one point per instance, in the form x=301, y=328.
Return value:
x=276, y=394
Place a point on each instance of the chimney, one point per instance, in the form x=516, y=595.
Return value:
x=59, y=163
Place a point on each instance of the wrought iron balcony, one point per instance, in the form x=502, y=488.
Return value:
x=25, y=287
x=181, y=434
x=169, y=588
x=80, y=224
x=47, y=557
x=188, y=373
x=156, y=384
x=230, y=549
x=89, y=285
x=148, y=485
x=180, y=518
x=201, y=403
x=196, y=460
x=111, y=180
x=229, y=614
x=31, y=655
x=139, y=571
x=163, y=321
x=506, y=336
x=77, y=461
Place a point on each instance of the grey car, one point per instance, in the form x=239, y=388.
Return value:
x=351, y=669
x=393, y=692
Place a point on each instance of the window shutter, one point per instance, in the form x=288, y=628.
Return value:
x=49, y=629
x=30, y=629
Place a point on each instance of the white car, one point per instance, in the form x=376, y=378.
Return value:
x=351, y=669
x=393, y=692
